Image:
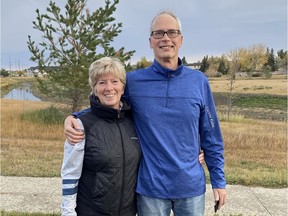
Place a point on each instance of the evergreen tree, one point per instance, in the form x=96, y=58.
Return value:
x=72, y=41
x=184, y=62
x=130, y=67
x=4, y=73
x=204, y=64
x=222, y=67
x=271, y=60
x=282, y=55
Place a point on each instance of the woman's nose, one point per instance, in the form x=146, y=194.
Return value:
x=109, y=85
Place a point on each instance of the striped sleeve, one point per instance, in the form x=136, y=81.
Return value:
x=70, y=173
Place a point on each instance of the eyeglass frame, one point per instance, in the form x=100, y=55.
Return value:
x=166, y=32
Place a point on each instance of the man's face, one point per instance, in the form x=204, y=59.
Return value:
x=165, y=48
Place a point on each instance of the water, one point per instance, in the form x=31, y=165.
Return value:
x=22, y=93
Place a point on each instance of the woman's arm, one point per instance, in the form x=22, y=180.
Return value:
x=71, y=171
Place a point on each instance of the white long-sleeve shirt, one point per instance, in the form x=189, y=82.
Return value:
x=71, y=172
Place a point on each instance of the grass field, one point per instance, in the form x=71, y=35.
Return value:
x=277, y=85
x=29, y=149
x=256, y=98
x=255, y=150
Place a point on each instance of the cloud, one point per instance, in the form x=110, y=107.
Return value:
x=209, y=27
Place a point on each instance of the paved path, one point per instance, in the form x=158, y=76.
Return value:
x=44, y=195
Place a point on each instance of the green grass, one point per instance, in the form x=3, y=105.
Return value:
x=50, y=115
x=261, y=101
x=259, y=174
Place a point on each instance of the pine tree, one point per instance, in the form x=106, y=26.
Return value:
x=204, y=64
x=222, y=67
x=72, y=41
x=184, y=62
x=282, y=56
x=271, y=60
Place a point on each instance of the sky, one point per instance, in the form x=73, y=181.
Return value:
x=209, y=27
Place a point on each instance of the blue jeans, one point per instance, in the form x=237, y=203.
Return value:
x=194, y=206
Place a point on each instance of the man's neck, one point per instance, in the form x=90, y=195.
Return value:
x=169, y=63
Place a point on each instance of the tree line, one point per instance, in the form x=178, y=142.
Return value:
x=257, y=58
x=73, y=37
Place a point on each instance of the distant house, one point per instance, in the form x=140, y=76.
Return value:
x=36, y=72
x=32, y=71
x=195, y=65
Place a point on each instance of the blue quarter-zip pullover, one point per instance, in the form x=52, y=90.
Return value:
x=175, y=116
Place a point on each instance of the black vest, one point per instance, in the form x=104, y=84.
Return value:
x=112, y=155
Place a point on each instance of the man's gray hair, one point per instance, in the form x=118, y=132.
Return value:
x=168, y=13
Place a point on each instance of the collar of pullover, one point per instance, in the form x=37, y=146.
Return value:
x=167, y=72
x=107, y=113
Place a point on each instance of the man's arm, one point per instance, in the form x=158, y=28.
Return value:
x=72, y=130
x=213, y=146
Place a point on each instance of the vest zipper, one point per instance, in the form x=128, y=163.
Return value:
x=123, y=164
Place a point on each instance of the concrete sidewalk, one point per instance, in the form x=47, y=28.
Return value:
x=27, y=194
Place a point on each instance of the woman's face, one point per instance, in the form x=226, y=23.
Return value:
x=109, y=90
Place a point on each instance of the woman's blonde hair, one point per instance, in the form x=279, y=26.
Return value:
x=104, y=66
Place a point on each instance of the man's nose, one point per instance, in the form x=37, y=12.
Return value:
x=165, y=36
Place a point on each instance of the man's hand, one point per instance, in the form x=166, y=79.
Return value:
x=220, y=194
x=201, y=157
x=72, y=130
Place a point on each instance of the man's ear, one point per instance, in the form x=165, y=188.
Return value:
x=181, y=41
x=150, y=42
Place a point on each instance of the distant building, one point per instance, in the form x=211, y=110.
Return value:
x=34, y=71
x=195, y=65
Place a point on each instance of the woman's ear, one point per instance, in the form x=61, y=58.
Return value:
x=94, y=92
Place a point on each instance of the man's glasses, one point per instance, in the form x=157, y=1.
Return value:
x=170, y=33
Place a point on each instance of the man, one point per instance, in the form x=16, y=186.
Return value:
x=175, y=118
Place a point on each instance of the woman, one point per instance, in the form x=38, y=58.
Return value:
x=99, y=174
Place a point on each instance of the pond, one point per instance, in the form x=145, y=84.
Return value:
x=22, y=92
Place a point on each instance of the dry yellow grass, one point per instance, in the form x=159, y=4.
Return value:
x=255, y=151
x=255, y=135
x=31, y=157
x=29, y=149
x=277, y=85
x=13, y=126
